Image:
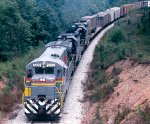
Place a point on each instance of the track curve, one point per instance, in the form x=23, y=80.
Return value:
x=73, y=108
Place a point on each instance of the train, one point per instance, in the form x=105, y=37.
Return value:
x=48, y=77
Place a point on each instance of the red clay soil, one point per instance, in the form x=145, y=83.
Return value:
x=132, y=91
x=90, y=111
x=2, y=85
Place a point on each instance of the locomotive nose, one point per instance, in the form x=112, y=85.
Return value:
x=42, y=110
x=41, y=98
x=41, y=101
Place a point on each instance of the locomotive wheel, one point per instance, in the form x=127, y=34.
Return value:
x=55, y=117
x=30, y=117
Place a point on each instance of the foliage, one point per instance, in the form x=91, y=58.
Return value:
x=120, y=2
x=144, y=113
x=119, y=43
x=97, y=119
x=28, y=24
x=11, y=75
x=116, y=71
x=117, y=36
x=121, y=115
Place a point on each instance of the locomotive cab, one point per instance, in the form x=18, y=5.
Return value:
x=83, y=34
x=44, y=83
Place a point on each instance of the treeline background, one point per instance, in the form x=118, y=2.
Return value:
x=26, y=24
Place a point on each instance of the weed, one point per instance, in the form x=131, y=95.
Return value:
x=144, y=113
x=121, y=115
x=116, y=71
x=115, y=81
x=117, y=36
x=97, y=119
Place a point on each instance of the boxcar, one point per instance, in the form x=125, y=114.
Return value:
x=123, y=10
x=137, y=5
x=148, y=4
x=129, y=7
x=145, y=4
x=112, y=15
x=116, y=11
x=103, y=18
x=92, y=20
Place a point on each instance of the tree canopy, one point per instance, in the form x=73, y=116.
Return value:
x=28, y=23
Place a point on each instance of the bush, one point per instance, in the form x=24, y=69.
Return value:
x=12, y=74
x=144, y=113
x=116, y=71
x=117, y=36
x=122, y=115
x=115, y=81
x=8, y=98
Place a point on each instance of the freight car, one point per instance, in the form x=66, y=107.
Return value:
x=123, y=10
x=116, y=11
x=92, y=22
x=103, y=19
x=48, y=77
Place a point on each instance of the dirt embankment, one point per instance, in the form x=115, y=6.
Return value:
x=129, y=99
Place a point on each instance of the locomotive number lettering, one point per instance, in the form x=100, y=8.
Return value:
x=37, y=65
x=51, y=65
x=44, y=65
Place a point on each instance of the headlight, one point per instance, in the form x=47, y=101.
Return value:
x=27, y=91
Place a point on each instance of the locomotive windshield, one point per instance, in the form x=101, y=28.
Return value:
x=47, y=70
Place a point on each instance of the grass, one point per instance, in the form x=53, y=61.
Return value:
x=97, y=119
x=12, y=73
x=144, y=114
x=116, y=71
x=121, y=115
x=128, y=39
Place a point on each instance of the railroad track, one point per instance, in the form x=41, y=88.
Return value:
x=42, y=122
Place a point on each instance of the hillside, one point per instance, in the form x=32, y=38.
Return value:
x=117, y=85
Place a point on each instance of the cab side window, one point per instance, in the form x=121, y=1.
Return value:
x=29, y=73
x=59, y=73
x=64, y=72
x=49, y=70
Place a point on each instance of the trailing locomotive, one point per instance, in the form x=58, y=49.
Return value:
x=48, y=77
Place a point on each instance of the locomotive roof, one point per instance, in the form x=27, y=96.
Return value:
x=59, y=43
x=82, y=26
x=72, y=29
x=67, y=36
x=46, y=56
x=53, y=50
